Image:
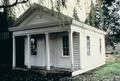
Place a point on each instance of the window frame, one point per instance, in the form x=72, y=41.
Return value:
x=100, y=45
x=65, y=46
x=33, y=46
x=88, y=45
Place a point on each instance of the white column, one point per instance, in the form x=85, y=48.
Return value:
x=14, y=52
x=47, y=52
x=71, y=48
x=29, y=50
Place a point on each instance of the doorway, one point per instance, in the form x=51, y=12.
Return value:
x=20, y=48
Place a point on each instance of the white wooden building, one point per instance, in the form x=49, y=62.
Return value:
x=41, y=40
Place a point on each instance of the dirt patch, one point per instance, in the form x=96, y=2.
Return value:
x=112, y=58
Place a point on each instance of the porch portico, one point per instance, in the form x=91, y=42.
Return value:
x=48, y=61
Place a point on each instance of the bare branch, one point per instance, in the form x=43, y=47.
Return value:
x=14, y=4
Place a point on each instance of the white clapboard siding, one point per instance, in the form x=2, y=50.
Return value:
x=76, y=51
x=60, y=61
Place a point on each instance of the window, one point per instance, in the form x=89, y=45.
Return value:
x=88, y=45
x=33, y=46
x=65, y=46
x=100, y=45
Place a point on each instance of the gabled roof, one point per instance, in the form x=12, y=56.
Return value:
x=53, y=21
x=41, y=8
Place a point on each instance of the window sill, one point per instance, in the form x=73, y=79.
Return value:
x=66, y=56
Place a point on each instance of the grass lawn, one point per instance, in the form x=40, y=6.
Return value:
x=108, y=72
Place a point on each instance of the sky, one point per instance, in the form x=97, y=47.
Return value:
x=19, y=9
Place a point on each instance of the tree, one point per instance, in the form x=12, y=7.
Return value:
x=95, y=18
x=6, y=19
x=7, y=16
x=111, y=21
x=104, y=15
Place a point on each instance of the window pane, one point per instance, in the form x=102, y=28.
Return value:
x=65, y=46
x=100, y=45
x=88, y=45
x=33, y=46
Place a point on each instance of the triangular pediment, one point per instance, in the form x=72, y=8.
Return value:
x=38, y=17
x=38, y=14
